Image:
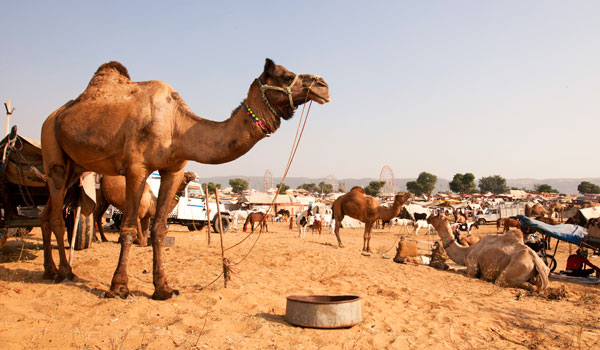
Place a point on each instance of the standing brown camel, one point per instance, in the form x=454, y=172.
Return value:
x=558, y=208
x=502, y=259
x=112, y=191
x=120, y=127
x=365, y=208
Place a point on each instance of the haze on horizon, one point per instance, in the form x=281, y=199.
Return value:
x=493, y=88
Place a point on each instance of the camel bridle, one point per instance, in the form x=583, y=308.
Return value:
x=287, y=90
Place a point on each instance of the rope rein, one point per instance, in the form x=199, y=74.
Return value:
x=228, y=266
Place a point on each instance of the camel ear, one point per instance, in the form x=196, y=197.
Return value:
x=269, y=67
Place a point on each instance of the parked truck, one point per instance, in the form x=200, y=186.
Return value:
x=492, y=215
x=190, y=211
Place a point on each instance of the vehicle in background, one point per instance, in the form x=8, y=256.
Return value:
x=190, y=211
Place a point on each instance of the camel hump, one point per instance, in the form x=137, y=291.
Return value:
x=357, y=188
x=113, y=65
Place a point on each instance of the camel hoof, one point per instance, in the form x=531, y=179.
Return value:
x=365, y=253
x=117, y=291
x=50, y=274
x=164, y=293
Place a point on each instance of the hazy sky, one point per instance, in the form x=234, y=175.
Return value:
x=506, y=88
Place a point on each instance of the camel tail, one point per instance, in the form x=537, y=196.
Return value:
x=541, y=280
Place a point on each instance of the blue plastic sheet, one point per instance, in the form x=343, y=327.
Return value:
x=564, y=232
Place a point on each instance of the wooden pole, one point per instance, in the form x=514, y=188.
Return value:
x=226, y=276
x=9, y=111
x=74, y=235
x=207, y=215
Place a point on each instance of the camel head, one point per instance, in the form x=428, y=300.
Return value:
x=438, y=222
x=285, y=90
x=402, y=197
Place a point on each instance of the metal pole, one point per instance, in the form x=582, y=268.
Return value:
x=9, y=111
x=207, y=215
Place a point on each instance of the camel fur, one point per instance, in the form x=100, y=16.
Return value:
x=365, y=208
x=121, y=127
x=502, y=259
x=112, y=192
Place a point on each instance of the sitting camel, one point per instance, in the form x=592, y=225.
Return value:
x=502, y=259
x=365, y=208
x=112, y=191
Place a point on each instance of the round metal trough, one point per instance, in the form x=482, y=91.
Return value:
x=323, y=311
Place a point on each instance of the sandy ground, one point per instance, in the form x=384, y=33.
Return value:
x=403, y=306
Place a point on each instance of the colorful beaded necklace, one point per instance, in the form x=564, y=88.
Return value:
x=256, y=121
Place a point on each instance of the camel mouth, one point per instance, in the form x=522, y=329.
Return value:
x=320, y=98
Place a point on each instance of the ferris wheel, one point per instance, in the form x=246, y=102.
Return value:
x=387, y=176
x=268, y=181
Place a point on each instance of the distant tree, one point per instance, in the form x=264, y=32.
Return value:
x=495, y=184
x=374, y=188
x=424, y=184
x=211, y=187
x=284, y=188
x=588, y=187
x=544, y=188
x=238, y=185
x=325, y=188
x=463, y=183
x=309, y=187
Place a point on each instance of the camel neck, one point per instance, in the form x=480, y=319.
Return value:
x=456, y=252
x=211, y=142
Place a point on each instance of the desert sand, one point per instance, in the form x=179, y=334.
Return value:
x=403, y=306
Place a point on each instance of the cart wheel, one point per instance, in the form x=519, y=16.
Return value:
x=224, y=222
x=197, y=226
x=85, y=230
x=549, y=261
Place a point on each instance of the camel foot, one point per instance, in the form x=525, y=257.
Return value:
x=164, y=293
x=61, y=277
x=50, y=274
x=365, y=253
x=117, y=291
x=341, y=245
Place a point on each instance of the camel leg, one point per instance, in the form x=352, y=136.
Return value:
x=517, y=273
x=145, y=224
x=134, y=188
x=336, y=230
x=170, y=181
x=101, y=206
x=367, y=237
x=140, y=237
x=50, y=270
x=56, y=225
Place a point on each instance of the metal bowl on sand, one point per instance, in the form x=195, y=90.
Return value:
x=323, y=311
